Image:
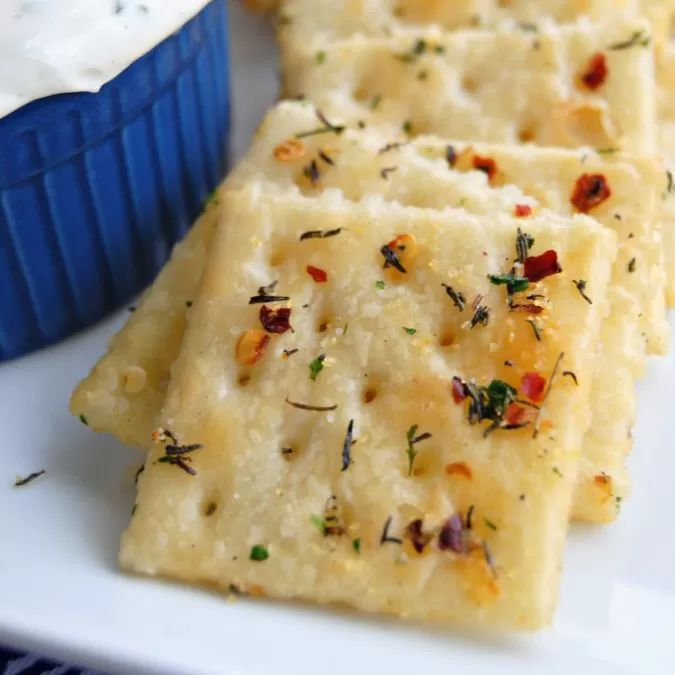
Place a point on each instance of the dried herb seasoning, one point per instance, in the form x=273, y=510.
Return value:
x=417, y=536
x=316, y=366
x=572, y=375
x=356, y=545
x=391, y=259
x=551, y=378
x=490, y=524
x=326, y=128
x=386, y=538
x=389, y=147
x=481, y=316
x=524, y=242
x=311, y=408
x=265, y=294
x=176, y=454
x=632, y=265
x=311, y=172
x=581, y=287
x=535, y=329
x=413, y=440
x=450, y=156
x=20, y=482
x=259, y=553
x=326, y=158
x=276, y=321
x=513, y=283
x=347, y=446
x=380, y=285
x=638, y=39
x=384, y=172
x=451, y=536
x=409, y=331
x=84, y=420
x=320, y=234
x=458, y=299
x=289, y=352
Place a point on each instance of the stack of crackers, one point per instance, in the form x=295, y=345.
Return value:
x=396, y=355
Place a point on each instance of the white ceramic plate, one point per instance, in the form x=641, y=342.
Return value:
x=61, y=594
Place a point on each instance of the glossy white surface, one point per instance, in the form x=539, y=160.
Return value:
x=59, y=46
x=60, y=591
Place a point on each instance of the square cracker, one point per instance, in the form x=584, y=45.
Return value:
x=250, y=498
x=500, y=85
x=319, y=20
x=527, y=175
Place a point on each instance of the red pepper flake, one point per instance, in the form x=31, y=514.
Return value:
x=590, y=190
x=533, y=385
x=595, y=73
x=538, y=267
x=516, y=415
x=459, y=392
x=522, y=210
x=417, y=536
x=529, y=308
x=485, y=164
x=275, y=320
x=459, y=469
x=320, y=276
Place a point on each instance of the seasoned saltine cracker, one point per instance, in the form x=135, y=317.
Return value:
x=566, y=86
x=321, y=21
x=388, y=498
x=418, y=174
x=126, y=388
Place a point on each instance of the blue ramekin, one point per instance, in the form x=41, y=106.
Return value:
x=96, y=188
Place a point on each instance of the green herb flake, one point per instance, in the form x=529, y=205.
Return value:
x=410, y=331
x=535, y=329
x=84, y=420
x=581, y=287
x=316, y=366
x=380, y=285
x=259, y=553
x=557, y=472
x=407, y=127
x=638, y=39
x=413, y=440
x=318, y=522
x=490, y=524
x=513, y=283
x=375, y=102
x=320, y=57
x=356, y=545
x=631, y=265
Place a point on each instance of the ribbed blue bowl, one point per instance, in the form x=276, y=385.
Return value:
x=96, y=188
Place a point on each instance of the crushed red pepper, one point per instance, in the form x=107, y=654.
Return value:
x=538, y=267
x=485, y=164
x=590, y=190
x=533, y=385
x=275, y=320
x=595, y=72
x=320, y=276
x=522, y=210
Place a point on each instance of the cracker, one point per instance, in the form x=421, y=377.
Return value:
x=252, y=499
x=320, y=21
x=540, y=178
x=504, y=86
x=125, y=390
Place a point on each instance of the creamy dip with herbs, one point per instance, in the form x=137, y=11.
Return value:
x=60, y=46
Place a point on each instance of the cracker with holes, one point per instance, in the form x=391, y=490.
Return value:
x=125, y=390
x=433, y=173
x=567, y=86
x=319, y=21
x=361, y=412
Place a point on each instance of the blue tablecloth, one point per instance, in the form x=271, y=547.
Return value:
x=16, y=663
